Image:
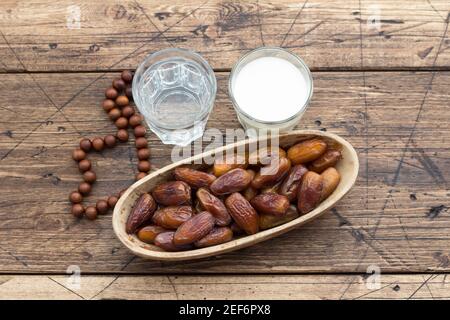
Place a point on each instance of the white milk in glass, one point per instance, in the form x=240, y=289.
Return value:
x=270, y=89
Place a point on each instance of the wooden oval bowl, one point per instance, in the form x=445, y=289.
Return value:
x=348, y=167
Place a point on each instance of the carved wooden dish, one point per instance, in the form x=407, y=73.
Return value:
x=348, y=168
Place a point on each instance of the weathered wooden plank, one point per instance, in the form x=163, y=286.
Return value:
x=42, y=35
x=314, y=287
x=396, y=217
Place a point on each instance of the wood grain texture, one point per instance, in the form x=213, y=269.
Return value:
x=42, y=35
x=396, y=217
x=412, y=286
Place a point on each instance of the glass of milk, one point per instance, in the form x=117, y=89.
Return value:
x=270, y=89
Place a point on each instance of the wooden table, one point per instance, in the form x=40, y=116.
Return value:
x=381, y=80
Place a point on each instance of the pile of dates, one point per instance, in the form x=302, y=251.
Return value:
x=233, y=197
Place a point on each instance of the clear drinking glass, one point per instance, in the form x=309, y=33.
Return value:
x=174, y=89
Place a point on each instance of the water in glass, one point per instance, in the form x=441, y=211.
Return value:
x=175, y=94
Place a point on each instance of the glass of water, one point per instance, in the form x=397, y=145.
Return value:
x=174, y=89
